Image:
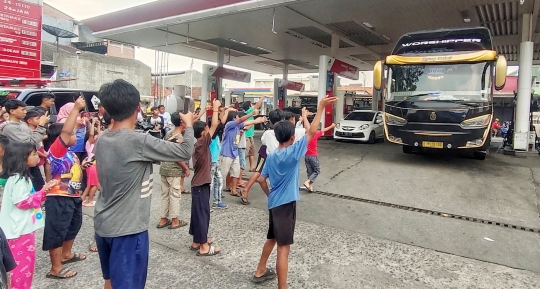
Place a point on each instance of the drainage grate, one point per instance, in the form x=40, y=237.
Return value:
x=430, y=212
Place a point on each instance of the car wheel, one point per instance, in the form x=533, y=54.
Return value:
x=407, y=149
x=371, y=139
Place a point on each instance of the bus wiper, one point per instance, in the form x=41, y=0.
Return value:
x=416, y=96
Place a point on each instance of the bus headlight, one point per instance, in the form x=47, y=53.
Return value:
x=394, y=120
x=477, y=122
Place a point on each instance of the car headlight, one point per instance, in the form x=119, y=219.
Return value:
x=338, y=125
x=394, y=120
x=477, y=122
x=363, y=127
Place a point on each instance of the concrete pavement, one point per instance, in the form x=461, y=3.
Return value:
x=347, y=244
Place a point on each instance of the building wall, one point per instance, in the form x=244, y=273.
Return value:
x=90, y=71
x=55, y=13
x=120, y=50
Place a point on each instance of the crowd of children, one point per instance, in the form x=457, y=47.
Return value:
x=63, y=165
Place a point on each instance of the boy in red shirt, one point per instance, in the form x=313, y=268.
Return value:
x=312, y=159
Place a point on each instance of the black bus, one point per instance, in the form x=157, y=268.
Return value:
x=438, y=90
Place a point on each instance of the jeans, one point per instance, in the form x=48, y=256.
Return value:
x=217, y=182
x=242, y=156
x=312, y=166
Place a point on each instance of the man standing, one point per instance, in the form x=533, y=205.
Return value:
x=122, y=212
x=47, y=101
x=248, y=107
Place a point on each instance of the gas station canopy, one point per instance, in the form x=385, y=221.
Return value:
x=263, y=35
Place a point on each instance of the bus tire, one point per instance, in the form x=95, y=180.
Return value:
x=407, y=149
x=480, y=155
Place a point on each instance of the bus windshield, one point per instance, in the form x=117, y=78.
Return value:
x=450, y=82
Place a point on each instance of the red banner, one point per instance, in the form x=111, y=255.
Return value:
x=6, y=18
x=19, y=52
x=344, y=69
x=20, y=39
x=22, y=8
x=291, y=85
x=231, y=74
x=18, y=42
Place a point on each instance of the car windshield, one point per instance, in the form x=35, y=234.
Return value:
x=360, y=116
x=451, y=82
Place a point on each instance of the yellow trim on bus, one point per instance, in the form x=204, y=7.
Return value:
x=485, y=55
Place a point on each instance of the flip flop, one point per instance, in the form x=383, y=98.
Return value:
x=211, y=252
x=268, y=275
x=77, y=257
x=91, y=248
x=91, y=204
x=244, y=201
x=182, y=224
x=168, y=223
x=186, y=192
x=62, y=274
x=195, y=249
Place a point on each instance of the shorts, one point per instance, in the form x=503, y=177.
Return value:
x=62, y=222
x=242, y=157
x=250, y=149
x=124, y=259
x=230, y=166
x=282, y=220
x=92, y=176
x=261, y=160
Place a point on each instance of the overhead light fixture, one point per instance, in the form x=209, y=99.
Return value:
x=385, y=37
x=236, y=41
x=264, y=49
x=466, y=16
x=367, y=25
x=294, y=34
x=318, y=44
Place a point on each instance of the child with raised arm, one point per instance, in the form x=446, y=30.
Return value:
x=125, y=166
x=282, y=168
x=229, y=160
x=200, y=185
x=312, y=160
x=64, y=203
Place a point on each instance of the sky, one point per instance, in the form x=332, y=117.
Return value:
x=84, y=9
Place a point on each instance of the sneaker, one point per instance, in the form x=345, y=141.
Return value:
x=219, y=206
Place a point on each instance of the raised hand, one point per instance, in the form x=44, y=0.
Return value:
x=328, y=101
x=80, y=103
x=44, y=119
x=187, y=118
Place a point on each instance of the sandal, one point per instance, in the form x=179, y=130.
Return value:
x=91, y=204
x=182, y=224
x=268, y=275
x=168, y=223
x=244, y=201
x=93, y=248
x=76, y=258
x=195, y=249
x=211, y=252
x=238, y=194
x=62, y=274
x=186, y=192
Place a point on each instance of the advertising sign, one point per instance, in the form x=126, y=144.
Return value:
x=231, y=74
x=291, y=85
x=344, y=69
x=20, y=38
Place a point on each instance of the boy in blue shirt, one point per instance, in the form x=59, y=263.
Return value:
x=282, y=167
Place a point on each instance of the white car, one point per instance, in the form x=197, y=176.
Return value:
x=360, y=125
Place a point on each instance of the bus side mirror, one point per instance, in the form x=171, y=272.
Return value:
x=377, y=75
x=501, y=69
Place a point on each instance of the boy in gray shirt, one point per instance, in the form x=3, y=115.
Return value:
x=125, y=159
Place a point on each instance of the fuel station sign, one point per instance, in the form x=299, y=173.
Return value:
x=344, y=69
x=20, y=38
x=291, y=85
x=231, y=74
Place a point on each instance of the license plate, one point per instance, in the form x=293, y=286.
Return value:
x=431, y=144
